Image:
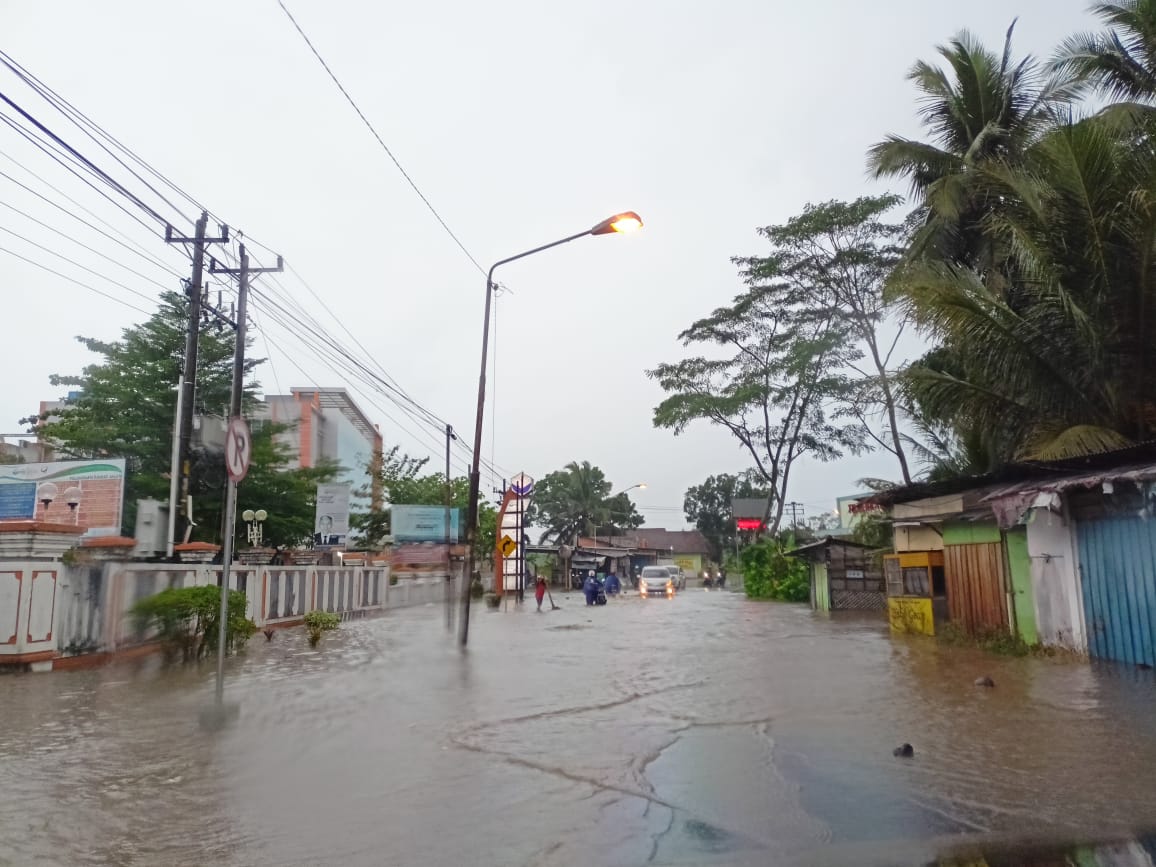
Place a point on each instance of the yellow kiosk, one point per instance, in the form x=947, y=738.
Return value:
x=916, y=591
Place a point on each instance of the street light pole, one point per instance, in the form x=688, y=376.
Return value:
x=641, y=485
x=623, y=222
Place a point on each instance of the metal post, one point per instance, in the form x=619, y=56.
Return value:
x=449, y=560
x=175, y=472
x=475, y=459
x=231, y=490
x=235, y=400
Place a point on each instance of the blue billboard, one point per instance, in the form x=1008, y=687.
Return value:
x=422, y=523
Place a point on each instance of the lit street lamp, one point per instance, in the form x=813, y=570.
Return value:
x=624, y=222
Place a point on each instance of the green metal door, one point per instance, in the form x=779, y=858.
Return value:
x=1020, y=563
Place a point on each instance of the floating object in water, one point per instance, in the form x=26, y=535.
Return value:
x=904, y=751
x=984, y=681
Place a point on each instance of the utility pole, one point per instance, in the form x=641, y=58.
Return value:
x=796, y=509
x=194, y=290
x=238, y=389
x=450, y=436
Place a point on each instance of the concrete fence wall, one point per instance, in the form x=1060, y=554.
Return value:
x=49, y=610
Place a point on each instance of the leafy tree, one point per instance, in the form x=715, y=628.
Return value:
x=818, y=524
x=577, y=499
x=769, y=574
x=128, y=399
x=288, y=494
x=708, y=507
x=125, y=409
x=402, y=483
x=782, y=371
x=839, y=255
x=393, y=470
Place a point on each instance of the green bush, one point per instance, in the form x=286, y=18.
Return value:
x=318, y=622
x=769, y=574
x=185, y=620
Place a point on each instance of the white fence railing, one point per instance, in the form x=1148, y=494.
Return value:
x=93, y=604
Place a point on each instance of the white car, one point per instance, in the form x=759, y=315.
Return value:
x=656, y=581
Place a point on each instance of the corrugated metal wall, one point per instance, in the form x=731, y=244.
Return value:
x=1118, y=576
x=975, y=586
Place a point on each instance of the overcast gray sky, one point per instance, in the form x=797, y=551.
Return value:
x=522, y=121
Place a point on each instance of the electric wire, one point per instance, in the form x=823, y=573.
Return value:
x=132, y=246
x=82, y=122
x=426, y=440
x=52, y=252
x=55, y=147
x=380, y=141
x=74, y=280
x=92, y=250
x=77, y=157
x=57, y=157
x=339, y=364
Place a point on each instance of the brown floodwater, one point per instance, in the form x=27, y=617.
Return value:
x=702, y=730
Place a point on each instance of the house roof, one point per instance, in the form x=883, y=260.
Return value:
x=675, y=541
x=1024, y=473
x=811, y=548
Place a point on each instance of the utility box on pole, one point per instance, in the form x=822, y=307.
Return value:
x=152, y=529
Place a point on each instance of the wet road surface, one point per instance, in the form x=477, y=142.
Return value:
x=702, y=730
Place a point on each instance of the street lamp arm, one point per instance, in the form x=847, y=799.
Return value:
x=558, y=243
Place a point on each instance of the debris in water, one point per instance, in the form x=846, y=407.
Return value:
x=904, y=751
x=984, y=681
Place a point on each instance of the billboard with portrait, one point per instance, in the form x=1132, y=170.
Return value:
x=331, y=526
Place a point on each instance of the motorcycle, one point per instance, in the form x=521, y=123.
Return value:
x=707, y=581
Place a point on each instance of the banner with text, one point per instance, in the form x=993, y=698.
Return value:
x=87, y=494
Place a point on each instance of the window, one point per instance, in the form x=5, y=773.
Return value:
x=915, y=581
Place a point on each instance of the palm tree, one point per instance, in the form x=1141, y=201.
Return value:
x=1121, y=62
x=1057, y=357
x=571, y=502
x=984, y=107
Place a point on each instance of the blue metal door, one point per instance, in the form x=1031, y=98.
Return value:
x=1118, y=579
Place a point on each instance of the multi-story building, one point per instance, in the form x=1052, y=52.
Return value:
x=326, y=425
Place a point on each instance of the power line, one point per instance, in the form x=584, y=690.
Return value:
x=79, y=157
x=74, y=280
x=428, y=441
x=92, y=250
x=56, y=156
x=380, y=141
x=339, y=364
x=132, y=246
x=76, y=116
x=77, y=264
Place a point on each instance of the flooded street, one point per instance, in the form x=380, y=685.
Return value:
x=704, y=730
